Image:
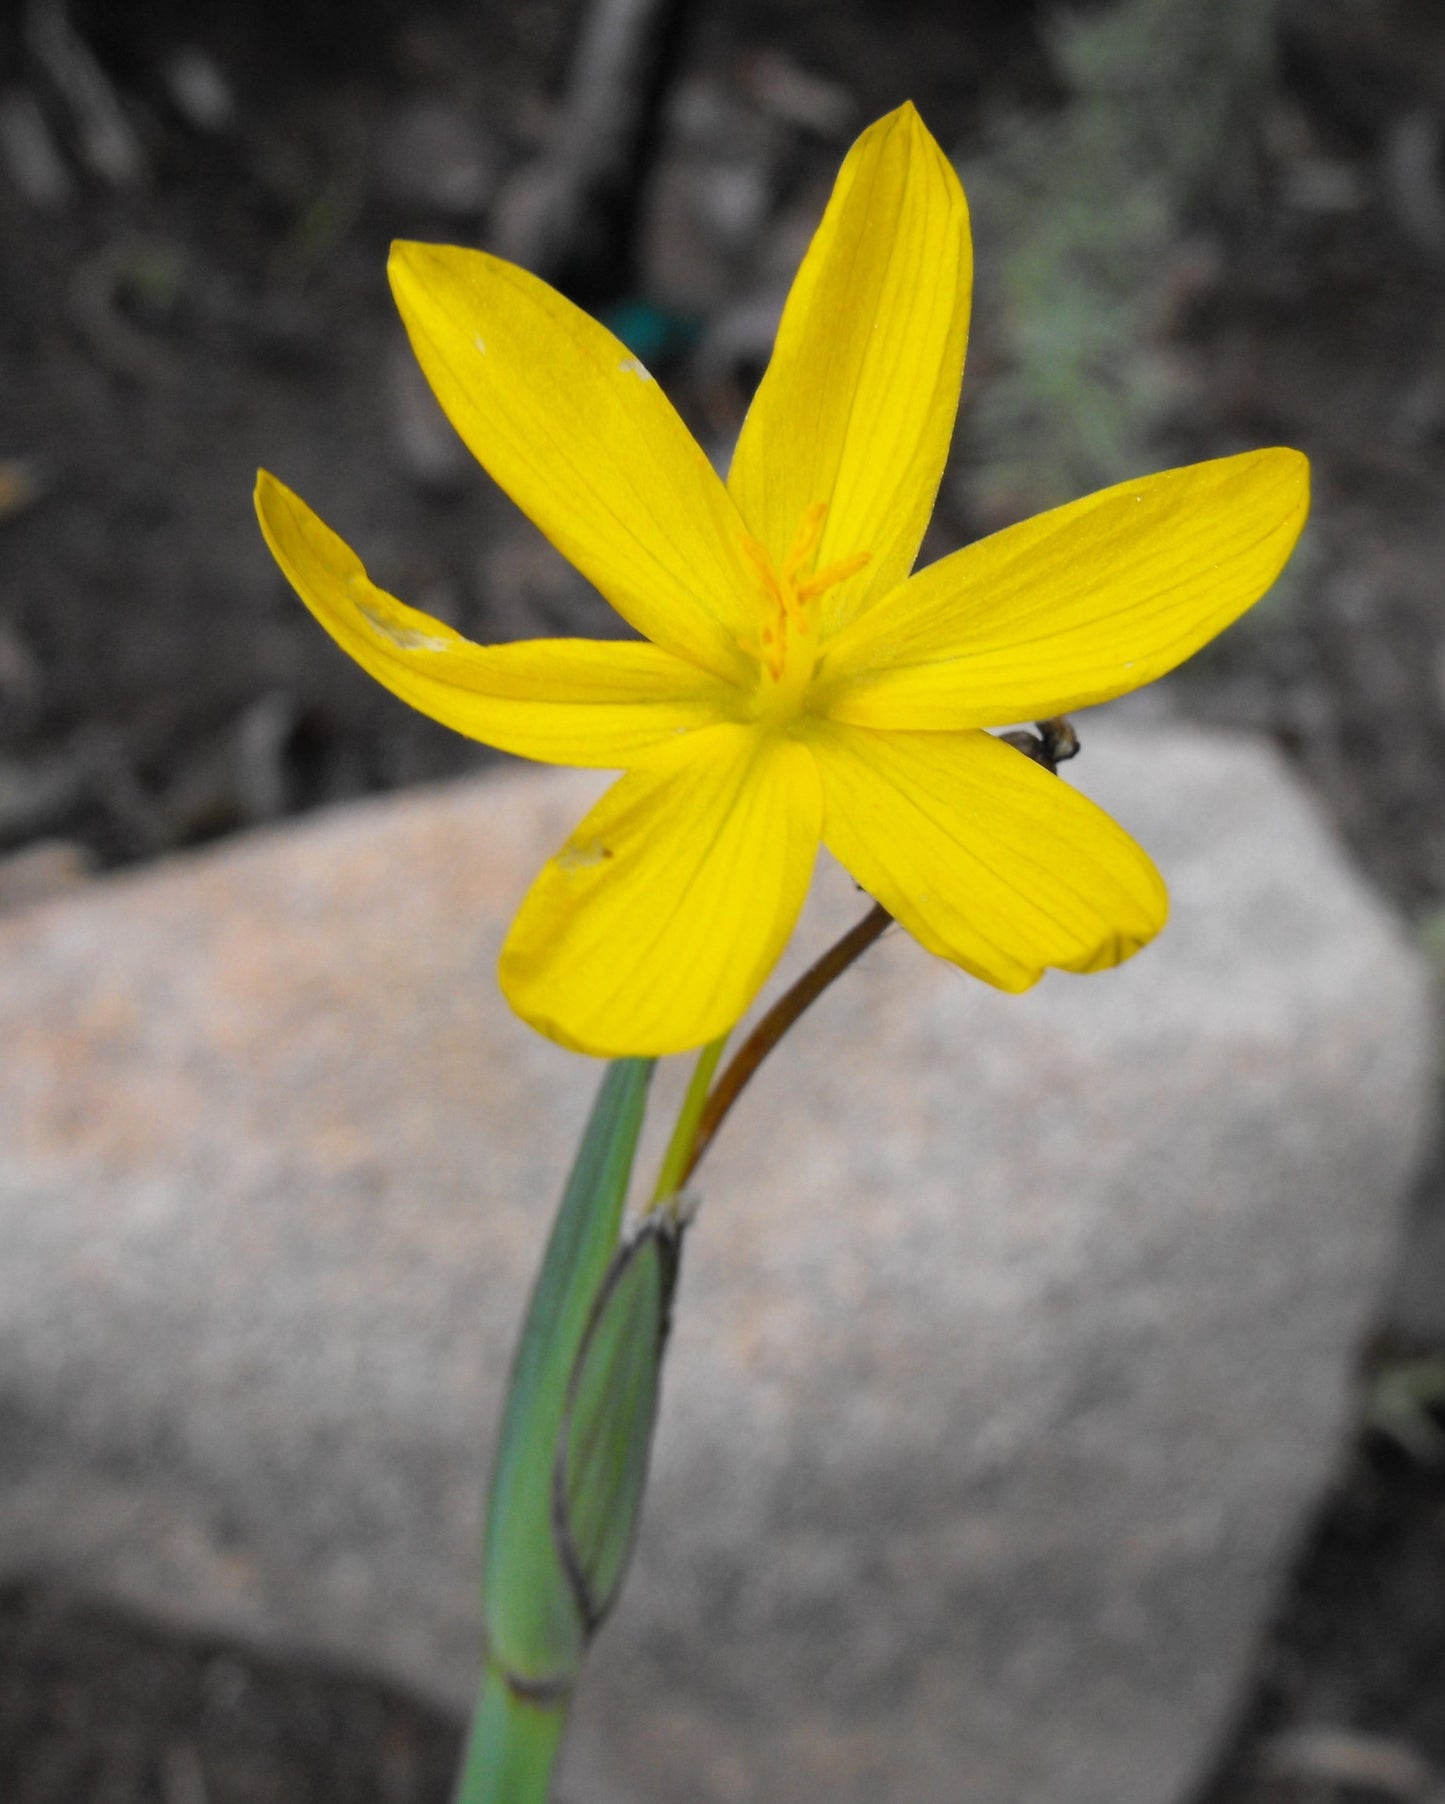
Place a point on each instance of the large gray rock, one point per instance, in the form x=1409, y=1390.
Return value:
x=1416, y=1310
x=1014, y=1345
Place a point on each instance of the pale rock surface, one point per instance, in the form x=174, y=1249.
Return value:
x=1416, y=1311
x=1014, y=1344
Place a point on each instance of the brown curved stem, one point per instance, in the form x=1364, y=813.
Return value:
x=779, y=1018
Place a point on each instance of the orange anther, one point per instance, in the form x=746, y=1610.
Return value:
x=792, y=596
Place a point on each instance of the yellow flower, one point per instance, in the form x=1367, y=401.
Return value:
x=794, y=684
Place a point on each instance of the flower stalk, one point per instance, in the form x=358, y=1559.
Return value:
x=536, y=1625
x=512, y=1744
x=681, y=1155
x=795, y=683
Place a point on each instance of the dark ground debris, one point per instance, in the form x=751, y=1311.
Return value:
x=97, y=1708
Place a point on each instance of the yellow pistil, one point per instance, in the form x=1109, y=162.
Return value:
x=787, y=650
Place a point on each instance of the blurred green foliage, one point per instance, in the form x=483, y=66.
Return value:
x=1080, y=211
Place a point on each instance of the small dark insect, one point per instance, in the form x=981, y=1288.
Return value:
x=1053, y=744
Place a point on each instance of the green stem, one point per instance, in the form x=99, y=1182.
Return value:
x=513, y=1745
x=677, y=1160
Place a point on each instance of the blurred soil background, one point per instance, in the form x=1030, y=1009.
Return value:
x=1198, y=227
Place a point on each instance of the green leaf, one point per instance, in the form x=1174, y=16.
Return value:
x=607, y=1427
x=536, y=1629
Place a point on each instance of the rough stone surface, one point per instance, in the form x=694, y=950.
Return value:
x=1416, y=1311
x=1014, y=1343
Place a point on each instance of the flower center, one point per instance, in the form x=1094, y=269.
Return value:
x=787, y=650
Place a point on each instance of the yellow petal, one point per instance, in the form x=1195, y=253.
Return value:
x=857, y=405
x=654, y=927
x=1074, y=606
x=984, y=856
x=576, y=431
x=565, y=701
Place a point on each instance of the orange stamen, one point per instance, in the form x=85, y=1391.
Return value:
x=831, y=574
x=806, y=542
x=792, y=593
